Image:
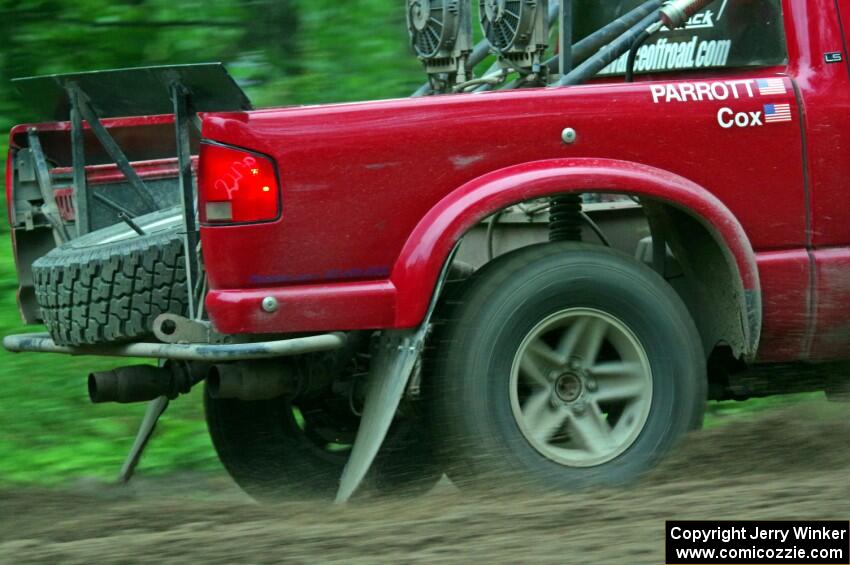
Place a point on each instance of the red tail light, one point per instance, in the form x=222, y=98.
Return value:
x=236, y=186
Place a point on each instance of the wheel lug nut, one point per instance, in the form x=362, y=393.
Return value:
x=579, y=407
x=592, y=385
x=575, y=364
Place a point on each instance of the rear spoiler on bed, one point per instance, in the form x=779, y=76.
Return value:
x=86, y=99
x=142, y=91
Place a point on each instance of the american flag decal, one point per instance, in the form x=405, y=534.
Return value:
x=770, y=86
x=774, y=113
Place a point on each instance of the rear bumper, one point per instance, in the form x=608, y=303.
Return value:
x=202, y=352
x=364, y=305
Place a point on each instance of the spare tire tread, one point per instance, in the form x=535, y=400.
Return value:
x=113, y=292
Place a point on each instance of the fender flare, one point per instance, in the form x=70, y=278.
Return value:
x=415, y=272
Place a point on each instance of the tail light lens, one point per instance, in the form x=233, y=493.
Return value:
x=236, y=186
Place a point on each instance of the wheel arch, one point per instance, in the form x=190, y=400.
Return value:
x=678, y=204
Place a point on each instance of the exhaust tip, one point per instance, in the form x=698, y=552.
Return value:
x=138, y=383
x=249, y=381
x=103, y=387
x=92, y=385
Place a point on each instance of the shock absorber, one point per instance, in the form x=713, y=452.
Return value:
x=565, y=220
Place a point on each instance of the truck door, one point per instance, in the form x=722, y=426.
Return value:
x=823, y=75
x=753, y=152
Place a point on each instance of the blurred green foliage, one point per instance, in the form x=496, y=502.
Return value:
x=281, y=52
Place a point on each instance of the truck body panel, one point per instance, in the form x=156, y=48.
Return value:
x=390, y=181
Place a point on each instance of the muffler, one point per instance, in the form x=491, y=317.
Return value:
x=252, y=380
x=142, y=383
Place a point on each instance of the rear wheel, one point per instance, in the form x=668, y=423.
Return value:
x=564, y=365
x=274, y=448
x=285, y=448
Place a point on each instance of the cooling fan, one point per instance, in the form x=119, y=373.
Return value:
x=441, y=35
x=516, y=29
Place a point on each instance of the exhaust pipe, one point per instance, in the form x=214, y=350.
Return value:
x=251, y=381
x=141, y=383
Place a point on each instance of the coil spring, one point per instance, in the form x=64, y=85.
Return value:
x=565, y=220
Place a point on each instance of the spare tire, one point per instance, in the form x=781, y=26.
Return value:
x=111, y=284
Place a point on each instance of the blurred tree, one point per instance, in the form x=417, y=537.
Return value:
x=282, y=51
x=353, y=50
x=55, y=36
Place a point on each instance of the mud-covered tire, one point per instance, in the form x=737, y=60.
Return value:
x=273, y=456
x=479, y=390
x=284, y=448
x=111, y=284
x=261, y=446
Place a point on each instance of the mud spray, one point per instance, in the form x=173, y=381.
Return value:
x=787, y=464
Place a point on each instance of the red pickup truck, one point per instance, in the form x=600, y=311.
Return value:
x=547, y=283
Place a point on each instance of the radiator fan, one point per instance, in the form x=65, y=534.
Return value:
x=441, y=35
x=516, y=29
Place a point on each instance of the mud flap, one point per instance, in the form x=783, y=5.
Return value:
x=393, y=363
x=391, y=369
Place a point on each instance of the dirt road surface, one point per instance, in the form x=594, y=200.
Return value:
x=787, y=464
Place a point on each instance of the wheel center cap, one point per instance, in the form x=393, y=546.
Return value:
x=568, y=387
